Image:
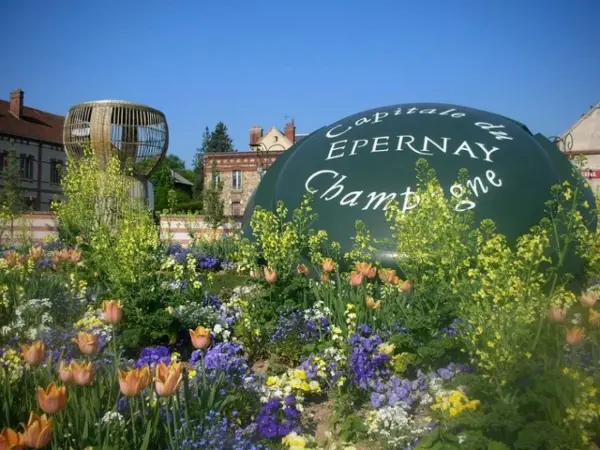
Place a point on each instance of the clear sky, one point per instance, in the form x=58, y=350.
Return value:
x=254, y=62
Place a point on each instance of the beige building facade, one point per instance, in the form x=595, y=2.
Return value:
x=36, y=137
x=583, y=139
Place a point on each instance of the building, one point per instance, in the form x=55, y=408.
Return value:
x=36, y=137
x=181, y=183
x=240, y=172
x=583, y=139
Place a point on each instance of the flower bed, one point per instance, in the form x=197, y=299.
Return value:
x=477, y=344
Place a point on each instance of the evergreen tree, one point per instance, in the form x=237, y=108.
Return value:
x=12, y=200
x=220, y=141
x=199, y=165
x=213, y=203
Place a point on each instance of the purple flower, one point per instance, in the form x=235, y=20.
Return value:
x=151, y=356
x=276, y=420
x=367, y=363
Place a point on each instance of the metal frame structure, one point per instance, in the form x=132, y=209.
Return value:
x=137, y=133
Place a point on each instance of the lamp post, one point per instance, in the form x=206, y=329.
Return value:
x=262, y=153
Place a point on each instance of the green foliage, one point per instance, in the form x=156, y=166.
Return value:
x=117, y=230
x=199, y=166
x=12, y=193
x=219, y=141
x=212, y=201
x=12, y=200
x=175, y=163
x=166, y=195
x=224, y=246
x=194, y=206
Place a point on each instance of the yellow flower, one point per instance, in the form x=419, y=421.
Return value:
x=272, y=381
x=294, y=441
x=300, y=374
x=388, y=349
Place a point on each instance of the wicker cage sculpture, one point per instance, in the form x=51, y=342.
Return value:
x=137, y=133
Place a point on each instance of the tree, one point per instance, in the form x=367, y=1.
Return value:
x=219, y=141
x=213, y=203
x=175, y=163
x=199, y=165
x=12, y=200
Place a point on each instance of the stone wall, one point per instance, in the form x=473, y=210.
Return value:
x=182, y=229
x=36, y=227
x=39, y=226
x=249, y=164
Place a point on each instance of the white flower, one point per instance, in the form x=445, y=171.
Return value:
x=218, y=328
x=112, y=416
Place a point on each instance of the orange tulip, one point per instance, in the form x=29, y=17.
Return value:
x=52, y=400
x=113, y=311
x=144, y=377
x=372, y=304
x=201, y=338
x=87, y=342
x=366, y=270
x=270, y=275
x=594, y=318
x=556, y=314
x=38, y=431
x=328, y=265
x=130, y=382
x=355, y=279
x=75, y=256
x=12, y=258
x=588, y=299
x=11, y=440
x=64, y=373
x=83, y=373
x=574, y=336
x=407, y=287
x=254, y=274
x=324, y=277
x=35, y=253
x=387, y=275
x=302, y=269
x=34, y=354
x=167, y=378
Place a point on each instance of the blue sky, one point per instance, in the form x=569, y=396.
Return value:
x=254, y=62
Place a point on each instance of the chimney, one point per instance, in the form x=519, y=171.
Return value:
x=16, y=103
x=290, y=131
x=256, y=133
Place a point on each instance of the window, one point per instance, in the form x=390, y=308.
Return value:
x=26, y=166
x=55, y=168
x=236, y=209
x=216, y=177
x=236, y=180
x=3, y=160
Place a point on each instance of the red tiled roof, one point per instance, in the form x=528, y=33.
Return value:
x=35, y=124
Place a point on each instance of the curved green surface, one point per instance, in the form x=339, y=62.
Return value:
x=356, y=165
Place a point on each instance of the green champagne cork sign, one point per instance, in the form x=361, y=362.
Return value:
x=357, y=166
